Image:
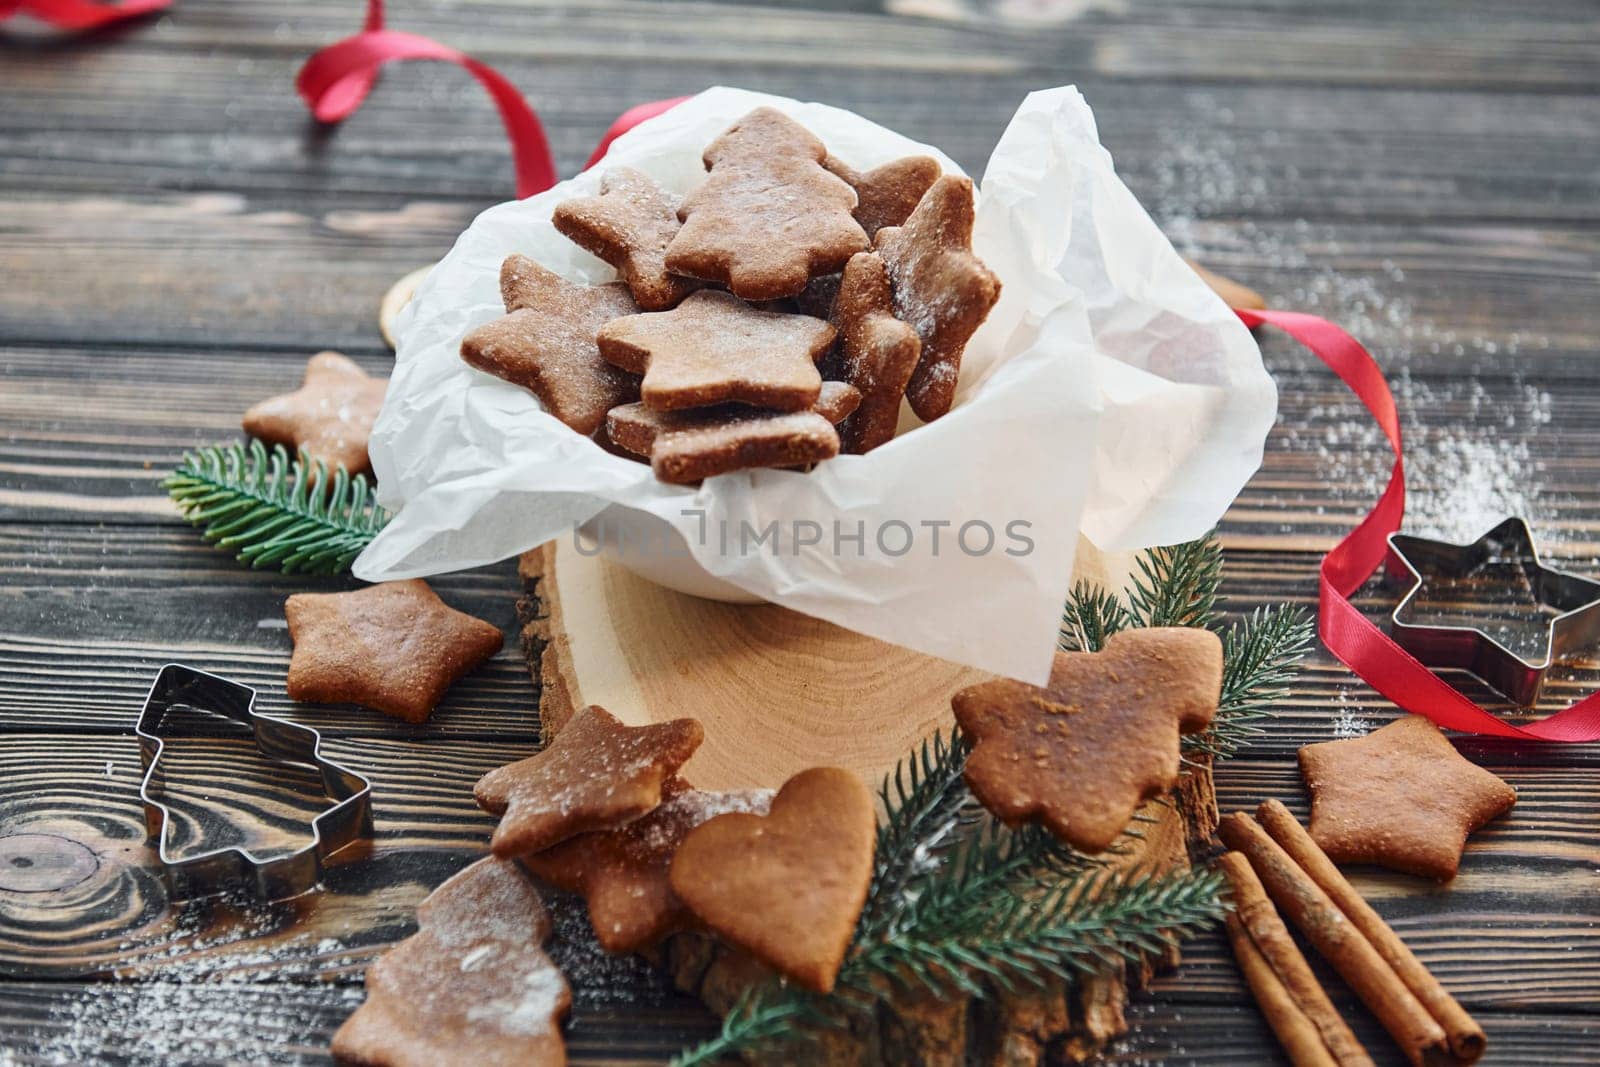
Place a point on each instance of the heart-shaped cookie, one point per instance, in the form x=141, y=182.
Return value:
x=786, y=887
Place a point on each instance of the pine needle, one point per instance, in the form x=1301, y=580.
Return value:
x=959, y=905
x=762, y=1016
x=1094, y=922
x=1177, y=586
x=1092, y=614
x=927, y=807
x=275, y=511
x=1261, y=654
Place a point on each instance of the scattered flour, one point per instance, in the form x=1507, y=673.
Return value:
x=1469, y=461
x=1345, y=721
x=222, y=998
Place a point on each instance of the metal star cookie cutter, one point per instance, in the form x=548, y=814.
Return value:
x=1571, y=601
x=234, y=868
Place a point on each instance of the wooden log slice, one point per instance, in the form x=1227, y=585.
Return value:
x=779, y=692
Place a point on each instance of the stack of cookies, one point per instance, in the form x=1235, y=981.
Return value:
x=773, y=318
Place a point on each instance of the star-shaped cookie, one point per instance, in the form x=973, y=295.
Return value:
x=622, y=873
x=471, y=988
x=629, y=225
x=1081, y=754
x=1400, y=797
x=886, y=195
x=768, y=217
x=330, y=416
x=546, y=343
x=878, y=352
x=940, y=288
x=714, y=348
x=395, y=647
x=687, y=446
x=597, y=774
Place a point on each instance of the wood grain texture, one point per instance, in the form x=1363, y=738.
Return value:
x=90, y=433
x=776, y=691
x=94, y=1023
x=175, y=238
x=1244, y=150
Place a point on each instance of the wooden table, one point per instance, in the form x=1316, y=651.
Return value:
x=176, y=238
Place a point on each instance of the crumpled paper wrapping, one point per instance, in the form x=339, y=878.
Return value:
x=1109, y=392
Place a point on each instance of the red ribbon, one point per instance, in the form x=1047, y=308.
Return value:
x=627, y=121
x=80, y=14
x=336, y=79
x=1350, y=635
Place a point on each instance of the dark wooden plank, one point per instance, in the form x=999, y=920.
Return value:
x=45, y=1023
x=80, y=648
x=1517, y=928
x=90, y=433
x=168, y=1022
x=186, y=242
x=84, y=789
x=217, y=273
x=226, y=121
x=1546, y=46
x=77, y=651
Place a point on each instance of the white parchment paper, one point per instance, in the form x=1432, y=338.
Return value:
x=1109, y=392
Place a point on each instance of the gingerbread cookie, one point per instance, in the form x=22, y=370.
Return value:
x=546, y=343
x=878, y=352
x=886, y=195
x=714, y=348
x=786, y=887
x=1081, y=754
x=395, y=647
x=629, y=225
x=330, y=416
x=471, y=988
x=798, y=439
x=940, y=288
x=685, y=447
x=622, y=873
x=769, y=217
x=1401, y=797
x=638, y=428
x=597, y=774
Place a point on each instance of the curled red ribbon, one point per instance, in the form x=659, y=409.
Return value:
x=1355, y=639
x=80, y=14
x=336, y=79
x=628, y=120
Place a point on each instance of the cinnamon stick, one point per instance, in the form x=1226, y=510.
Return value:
x=1340, y=943
x=1308, y=1026
x=1466, y=1037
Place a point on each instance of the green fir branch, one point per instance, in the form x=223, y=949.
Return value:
x=1092, y=923
x=1091, y=616
x=276, y=511
x=1261, y=655
x=763, y=1016
x=1177, y=586
x=927, y=806
x=961, y=905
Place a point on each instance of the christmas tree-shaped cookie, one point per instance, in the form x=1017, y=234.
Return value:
x=769, y=217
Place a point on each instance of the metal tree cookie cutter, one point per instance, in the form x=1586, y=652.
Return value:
x=223, y=869
x=1570, y=603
